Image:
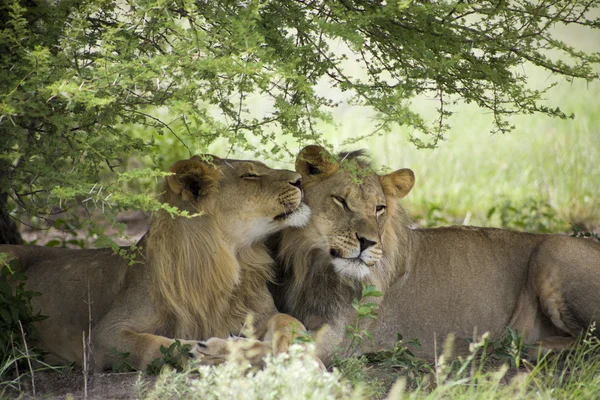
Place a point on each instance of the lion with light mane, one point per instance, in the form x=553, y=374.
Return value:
x=196, y=278
x=459, y=280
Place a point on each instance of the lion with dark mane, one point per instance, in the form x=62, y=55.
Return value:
x=459, y=280
x=196, y=277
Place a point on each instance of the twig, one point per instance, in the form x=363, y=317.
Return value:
x=87, y=345
x=166, y=126
x=466, y=221
x=89, y=316
x=12, y=344
x=435, y=355
x=85, y=369
x=28, y=359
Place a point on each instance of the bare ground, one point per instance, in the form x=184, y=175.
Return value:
x=70, y=384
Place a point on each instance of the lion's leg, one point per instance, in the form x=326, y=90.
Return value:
x=216, y=350
x=565, y=276
x=283, y=329
x=530, y=321
x=274, y=338
x=143, y=348
x=132, y=330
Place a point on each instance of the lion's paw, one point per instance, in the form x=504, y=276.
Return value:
x=216, y=351
x=210, y=352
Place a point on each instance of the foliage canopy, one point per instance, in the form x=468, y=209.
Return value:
x=79, y=77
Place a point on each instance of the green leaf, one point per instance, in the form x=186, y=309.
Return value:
x=355, y=304
x=371, y=291
x=5, y=315
x=364, y=311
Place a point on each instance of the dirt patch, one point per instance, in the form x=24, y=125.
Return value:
x=69, y=384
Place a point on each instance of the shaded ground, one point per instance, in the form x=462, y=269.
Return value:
x=69, y=384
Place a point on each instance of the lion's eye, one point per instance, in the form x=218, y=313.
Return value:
x=250, y=175
x=380, y=209
x=340, y=201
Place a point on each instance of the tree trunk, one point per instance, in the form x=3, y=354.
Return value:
x=9, y=234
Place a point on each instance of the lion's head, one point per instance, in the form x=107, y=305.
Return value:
x=351, y=206
x=353, y=236
x=250, y=200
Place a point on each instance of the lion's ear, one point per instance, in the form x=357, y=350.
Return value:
x=316, y=161
x=194, y=179
x=398, y=184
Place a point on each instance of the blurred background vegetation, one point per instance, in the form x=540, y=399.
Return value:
x=543, y=176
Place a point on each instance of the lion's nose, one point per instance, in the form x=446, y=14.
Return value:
x=297, y=183
x=365, y=243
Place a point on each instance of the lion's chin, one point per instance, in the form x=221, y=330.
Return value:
x=351, y=267
x=296, y=218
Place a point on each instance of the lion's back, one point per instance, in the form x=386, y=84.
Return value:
x=69, y=279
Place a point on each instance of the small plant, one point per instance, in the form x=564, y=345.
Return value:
x=285, y=376
x=121, y=362
x=435, y=215
x=364, y=310
x=511, y=347
x=359, y=371
x=402, y=359
x=16, y=321
x=301, y=336
x=175, y=356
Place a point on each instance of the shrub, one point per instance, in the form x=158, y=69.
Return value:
x=293, y=375
x=16, y=321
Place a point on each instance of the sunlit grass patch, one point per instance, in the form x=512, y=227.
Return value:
x=286, y=376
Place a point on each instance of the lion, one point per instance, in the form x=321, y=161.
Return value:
x=453, y=280
x=194, y=277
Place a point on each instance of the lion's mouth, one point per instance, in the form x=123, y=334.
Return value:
x=335, y=253
x=351, y=267
x=290, y=210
